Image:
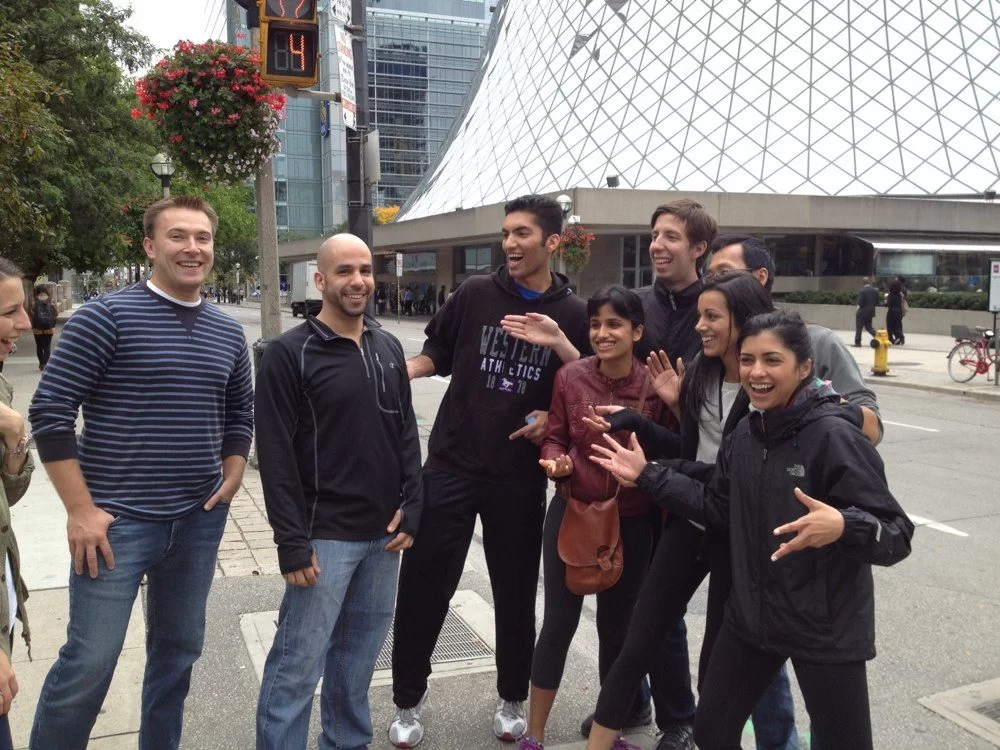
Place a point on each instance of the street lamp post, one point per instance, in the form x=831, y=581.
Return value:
x=163, y=167
x=237, y=283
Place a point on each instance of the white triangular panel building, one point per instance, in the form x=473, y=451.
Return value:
x=807, y=97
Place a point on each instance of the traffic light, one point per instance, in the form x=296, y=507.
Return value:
x=289, y=42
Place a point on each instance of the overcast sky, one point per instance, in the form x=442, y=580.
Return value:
x=167, y=22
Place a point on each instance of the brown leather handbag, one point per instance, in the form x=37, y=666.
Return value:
x=590, y=545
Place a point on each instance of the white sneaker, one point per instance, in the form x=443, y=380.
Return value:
x=509, y=723
x=407, y=728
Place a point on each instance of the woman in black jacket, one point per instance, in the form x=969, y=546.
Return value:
x=816, y=606
x=708, y=404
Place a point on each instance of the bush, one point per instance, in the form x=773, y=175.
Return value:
x=927, y=300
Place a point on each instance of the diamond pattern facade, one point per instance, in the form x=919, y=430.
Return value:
x=823, y=97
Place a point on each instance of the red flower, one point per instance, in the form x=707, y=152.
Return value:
x=136, y=114
x=176, y=139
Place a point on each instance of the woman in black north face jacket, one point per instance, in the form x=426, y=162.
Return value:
x=802, y=582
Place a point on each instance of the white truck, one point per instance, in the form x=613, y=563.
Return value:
x=306, y=298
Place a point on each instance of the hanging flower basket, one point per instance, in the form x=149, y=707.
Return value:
x=574, y=247
x=219, y=117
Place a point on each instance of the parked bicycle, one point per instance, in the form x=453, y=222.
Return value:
x=974, y=353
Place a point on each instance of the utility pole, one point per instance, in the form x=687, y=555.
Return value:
x=267, y=221
x=359, y=204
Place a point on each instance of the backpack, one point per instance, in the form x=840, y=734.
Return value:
x=43, y=319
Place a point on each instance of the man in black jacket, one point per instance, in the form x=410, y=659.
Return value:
x=867, y=302
x=681, y=232
x=339, y=461
x=483, y=459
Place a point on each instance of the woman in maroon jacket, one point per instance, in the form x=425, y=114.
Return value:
x=612, y=376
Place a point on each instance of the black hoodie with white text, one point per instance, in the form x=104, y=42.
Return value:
x=496, y=379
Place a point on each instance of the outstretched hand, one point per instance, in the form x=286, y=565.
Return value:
x=666, y=380
x=534, y=328
x=595, y=417
x=558, y=467
x=625, y=464
x=822, y=525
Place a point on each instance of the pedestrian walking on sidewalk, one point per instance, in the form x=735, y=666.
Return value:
x=15, y=470
x=340, y=465
x=867, y=302
x=43, y=313
x=164, y=381
x=483, y=460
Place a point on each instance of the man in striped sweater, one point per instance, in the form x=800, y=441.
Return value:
x=164, y=381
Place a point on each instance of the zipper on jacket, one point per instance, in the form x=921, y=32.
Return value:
x=378, y=361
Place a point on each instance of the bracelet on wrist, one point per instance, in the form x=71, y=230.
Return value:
x=22, y=445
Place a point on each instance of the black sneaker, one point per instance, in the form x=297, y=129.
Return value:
x=641, y=719
x=676, y=737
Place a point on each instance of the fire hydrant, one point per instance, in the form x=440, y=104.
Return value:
x=881, y=346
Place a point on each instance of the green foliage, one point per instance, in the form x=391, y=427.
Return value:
x=92, y=155
x=28, y=131
x=933, y=300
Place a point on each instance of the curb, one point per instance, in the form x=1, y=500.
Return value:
x=980, y=395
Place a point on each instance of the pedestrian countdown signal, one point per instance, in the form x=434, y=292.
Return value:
x=289, y=42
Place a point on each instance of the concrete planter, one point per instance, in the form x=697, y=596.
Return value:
x=917, y=320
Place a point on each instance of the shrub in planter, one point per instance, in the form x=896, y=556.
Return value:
x=574, y=247
x=932, y=300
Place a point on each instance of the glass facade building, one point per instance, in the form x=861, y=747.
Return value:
x=847, y=98
x=420, y=68
x=422, y=58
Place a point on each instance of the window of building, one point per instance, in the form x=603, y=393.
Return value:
x=637, y=267
x=478, y=260
x=281, y=190
x=794, y=254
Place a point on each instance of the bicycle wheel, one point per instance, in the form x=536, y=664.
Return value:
x=963, y=360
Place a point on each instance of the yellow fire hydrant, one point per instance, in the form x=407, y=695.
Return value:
x=881, y=346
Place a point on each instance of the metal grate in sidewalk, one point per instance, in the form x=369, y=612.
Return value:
x=457, y=642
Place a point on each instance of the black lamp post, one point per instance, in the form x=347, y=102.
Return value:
x=163, y=167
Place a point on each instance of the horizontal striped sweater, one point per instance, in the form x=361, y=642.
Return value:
x=166, y=392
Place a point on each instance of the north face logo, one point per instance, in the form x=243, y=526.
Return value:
x=796, y=470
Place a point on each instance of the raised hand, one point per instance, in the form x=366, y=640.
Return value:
x=557, y=468
x=666, y=380
x=625, y=464
x=534, y=328
x=595, y=417
x=822, y=525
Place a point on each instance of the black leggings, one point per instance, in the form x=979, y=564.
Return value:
x=43, y=347
x=836, y=696
x=562, y=607
x=678, y=568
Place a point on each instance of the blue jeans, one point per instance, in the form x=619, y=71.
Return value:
x=179, y=559
x=332, y=630
x=774, y=716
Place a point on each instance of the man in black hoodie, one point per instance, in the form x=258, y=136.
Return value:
x=483, y=459
x=340, y=463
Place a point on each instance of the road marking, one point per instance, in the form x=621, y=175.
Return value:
x=443, y=380
x=931, y=524
x=419, y=341
x=910, y=426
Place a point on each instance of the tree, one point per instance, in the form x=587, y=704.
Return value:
x=77, y=52
x=27, y=132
